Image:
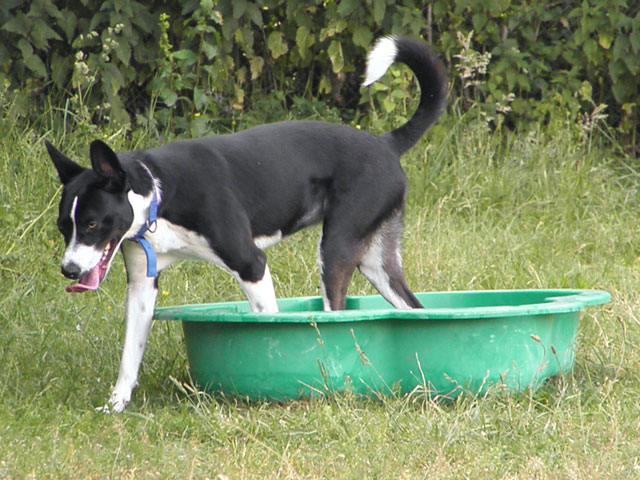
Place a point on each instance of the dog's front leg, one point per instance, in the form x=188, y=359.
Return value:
x=261, y=294
x=141, y=298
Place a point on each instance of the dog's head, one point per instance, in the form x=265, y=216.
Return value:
x=95, y=214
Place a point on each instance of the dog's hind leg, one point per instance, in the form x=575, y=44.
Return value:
x=338, y=257
x=381, y=264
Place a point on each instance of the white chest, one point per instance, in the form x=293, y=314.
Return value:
x=177, y=241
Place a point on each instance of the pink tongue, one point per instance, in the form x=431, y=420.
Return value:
x=90, y=281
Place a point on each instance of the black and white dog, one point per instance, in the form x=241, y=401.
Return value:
x=225, y=198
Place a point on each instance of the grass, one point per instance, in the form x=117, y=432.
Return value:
x=544, y=209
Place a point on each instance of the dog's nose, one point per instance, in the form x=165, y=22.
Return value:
x=71, y=271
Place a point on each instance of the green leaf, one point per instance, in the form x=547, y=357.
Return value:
x=254, y=14
x=112, y=79
x=118, y=113
x=399, y=94
x=142, y=17
x=206, y=6
x=479, y=19
x=379, y=7
x=248, y=33
x=188, y=57
x=324, y=86
x=200, y=99
x=99, y=18
x=67, y=22
x=5, y=57
x=590, y=49
x=123, y=52
x=304, y=40
x=277, y=44
x=335, y=55
x=209, y=50
x=60, y=70
x=19, y=24
x=42, y=33
x=634, y=39
x=496, y=7
x=388, y=105
x=168, y=96
x=624, y=51
x=256, y=64
x=586, y=91
x=238, y=100
x=200, y=127
x=345, y=7
x=229, y=27
x=31, y=60
x=362, y=36
x=333, y=28
x=25, y=47
x=239, y=7
x=36, y=65
x=621, y=48
x=623, y=91
x=379, y=87
x=605, y=39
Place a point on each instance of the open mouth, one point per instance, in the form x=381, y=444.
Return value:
x=92, y=279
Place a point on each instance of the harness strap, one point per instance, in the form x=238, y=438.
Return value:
x=149, y=226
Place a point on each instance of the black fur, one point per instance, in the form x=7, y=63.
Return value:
x=219, y=194
x=279, y=177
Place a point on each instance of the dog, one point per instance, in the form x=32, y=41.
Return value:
x=226, y=198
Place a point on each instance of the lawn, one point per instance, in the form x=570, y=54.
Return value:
x=554, y=208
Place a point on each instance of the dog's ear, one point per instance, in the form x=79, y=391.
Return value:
x=106, y=164
x=67, y=168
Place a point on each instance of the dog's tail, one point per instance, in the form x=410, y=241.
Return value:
x=429, y=70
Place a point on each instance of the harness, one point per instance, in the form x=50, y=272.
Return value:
x=149, y=226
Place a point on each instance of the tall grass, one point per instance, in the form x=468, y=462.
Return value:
x=543, y=209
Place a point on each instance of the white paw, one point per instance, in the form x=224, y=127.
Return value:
x=118, y=401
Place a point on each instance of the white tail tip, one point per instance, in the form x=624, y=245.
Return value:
x=380, y=59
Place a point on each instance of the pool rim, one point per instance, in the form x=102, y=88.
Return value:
x=555, y=301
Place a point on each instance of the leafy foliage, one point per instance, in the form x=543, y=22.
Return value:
x=553, y=56
x=187, y=66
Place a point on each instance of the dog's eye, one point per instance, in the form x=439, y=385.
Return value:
x=92, y=225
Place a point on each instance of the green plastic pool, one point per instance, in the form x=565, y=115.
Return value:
x=467, y=340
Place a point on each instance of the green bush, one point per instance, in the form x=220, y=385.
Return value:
x=553, y=56
x=192, y=67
